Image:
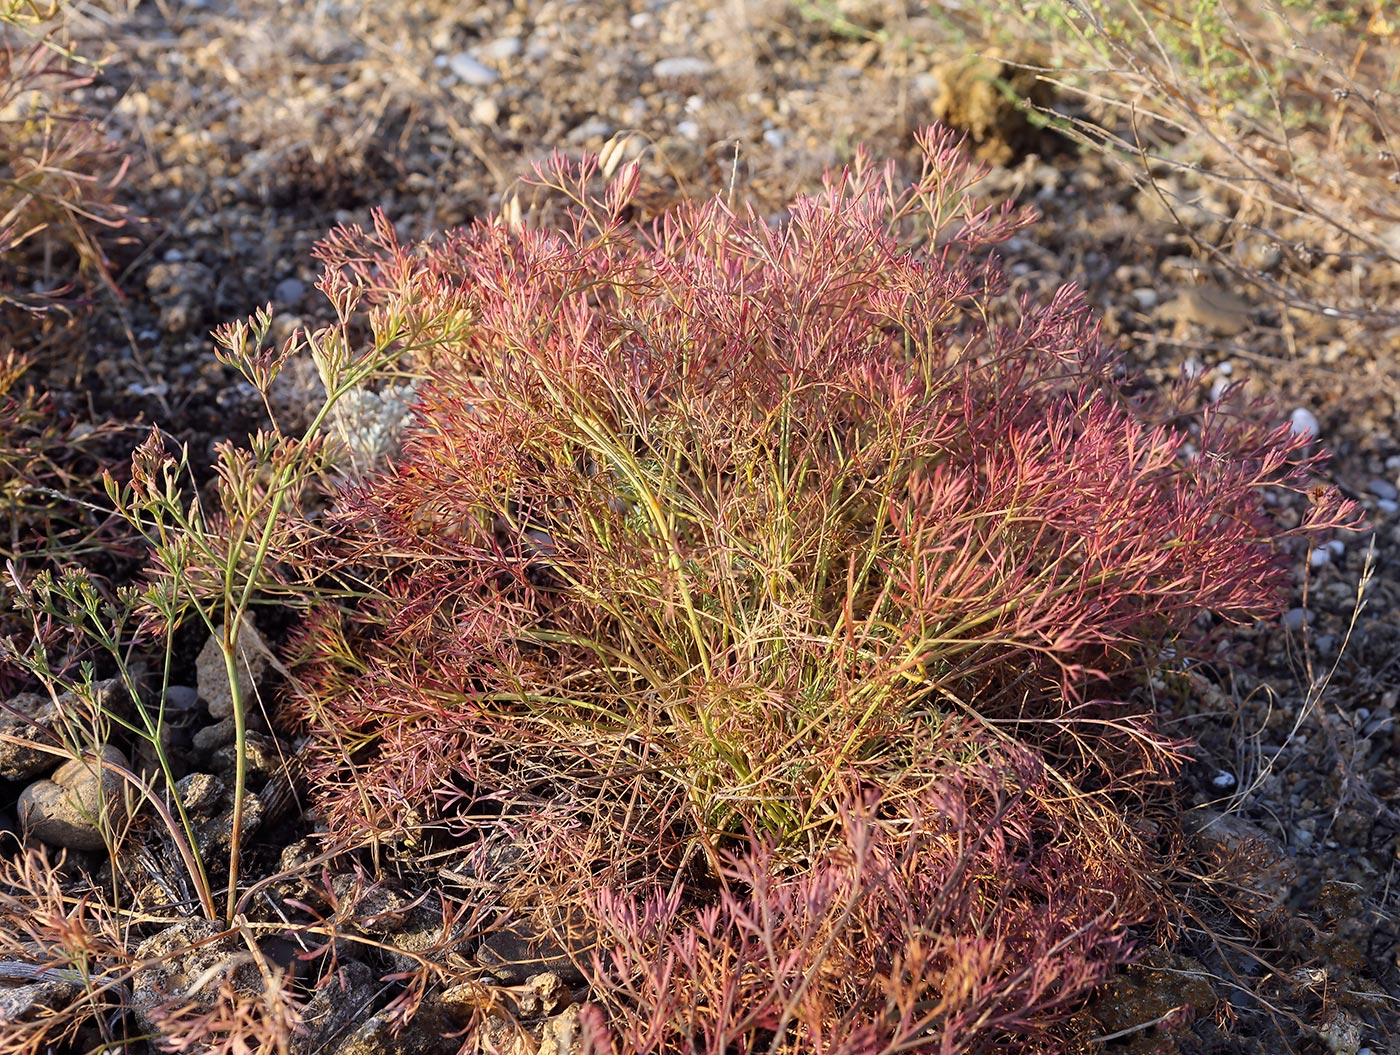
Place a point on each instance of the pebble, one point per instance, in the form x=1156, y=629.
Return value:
x=1223, y=780
x=1337, y=547
x=775, y=138
x=289, y=292
x=180, y=698
x=1303, y=422
x=1145, y=298
x=681, y=67
x=1388, y=506
x=254, y=658
x=77, y=806
x=469, y=70
x=1320, y=557
x=1296, y=618
x=500, y=49
x=1383, y=489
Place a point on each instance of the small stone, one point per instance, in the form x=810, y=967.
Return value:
x=1144, y=298
x=561, y=1033
x=200, y=793
x=1223, y=780
x=515, y=954
x=335, y=1004
x=26, y=716
x=469, y=70
x=289, y=292
x=1384, y=489
x=1336, y=547
x=78, y=806
x=31, y=716
x=28, y=1002
x=1303, y=423
x=775, y=138
x=180, y=699
x=688, y=130
x=1320, y=557
x=187, y=962
x=486, y=112
x=1296, y=618
x=213, y=737
x=253, y=660
x=681, y=67
x=1388, y=506
x=500, y=49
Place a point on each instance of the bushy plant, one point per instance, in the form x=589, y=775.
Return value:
x=760, y=600
x=58, y=169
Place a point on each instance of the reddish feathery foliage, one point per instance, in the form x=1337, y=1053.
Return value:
x=762, y=606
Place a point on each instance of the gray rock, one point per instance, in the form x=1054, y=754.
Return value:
x=428, y=1033
x=28, y=716
x=200, y=793
x=254, y=659
x=25, y=1002
x=289, y=292
x=180, y=698
x=212, y=737
x=78, y=806
x=1384, y=489
x=187, y=962
x=1145, y=298
x=34, y=716
x=336, y=1006
x=516, y=952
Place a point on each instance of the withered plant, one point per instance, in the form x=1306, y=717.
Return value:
x=58, y=169
x=761, y=604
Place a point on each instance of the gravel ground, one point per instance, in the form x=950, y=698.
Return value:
x=261, y=124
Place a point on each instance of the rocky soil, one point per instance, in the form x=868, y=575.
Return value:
x=258, y=125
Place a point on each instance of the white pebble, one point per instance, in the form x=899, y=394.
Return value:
x=1225, y=369
x=1303, y=423
x=469, y=71
x=1144, y=297
x=500, y=49
x=1320, y=557
x=682, y=66
x=1296, y=618
x=1337, y=547
x=775, y=138
x=688, y=130
x=1223, y=780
